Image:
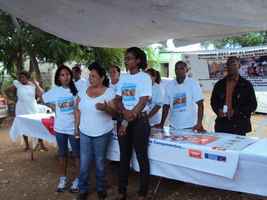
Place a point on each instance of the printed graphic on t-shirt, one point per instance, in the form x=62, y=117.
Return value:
x=128, y=93
x=179, y=101
x=66, y=104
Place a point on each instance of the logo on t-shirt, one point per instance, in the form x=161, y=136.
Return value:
x=128, y=92
x=179, y=101
x=66, y=104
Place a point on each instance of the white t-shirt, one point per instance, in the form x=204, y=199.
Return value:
x=157, y=99
x=182, y=99
x=81, y=83
x=94, y=122
x=113, y=87
x=133, y=86
x=26, y=102
x=64, y=101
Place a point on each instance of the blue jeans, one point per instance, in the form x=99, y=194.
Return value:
x=62, y=143
x=93, y=148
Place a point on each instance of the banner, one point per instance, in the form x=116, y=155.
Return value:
x=253, y=68
x=215, y=153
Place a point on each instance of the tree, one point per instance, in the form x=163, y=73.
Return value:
x=108, y=56
x=12, y=51
x=153, y=58
x=249, y=39
x=20, y=41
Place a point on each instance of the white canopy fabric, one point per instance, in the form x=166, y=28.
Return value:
x=124, y=23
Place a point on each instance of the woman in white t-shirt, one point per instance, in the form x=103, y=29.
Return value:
x=155, y=103
x=63, y=97
x=114, y=74
x=133, y=93
x=95, y=126
x=26, y=92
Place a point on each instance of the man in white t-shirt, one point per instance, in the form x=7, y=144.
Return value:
x=78, y=81
x=184, y=98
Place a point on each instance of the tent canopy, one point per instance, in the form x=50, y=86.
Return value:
x=124, y=23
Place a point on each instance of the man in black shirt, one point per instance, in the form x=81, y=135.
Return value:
x=233, y=100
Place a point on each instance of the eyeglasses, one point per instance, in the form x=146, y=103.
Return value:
x=127, y=58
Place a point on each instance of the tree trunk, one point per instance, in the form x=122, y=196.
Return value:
x=34, y=66
x=19, y=61
x=19, y=56
x=31, y=69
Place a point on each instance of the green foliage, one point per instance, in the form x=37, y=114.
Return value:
x=153, y=58
x=249, y=39
x=108, y=56
x=19, y=40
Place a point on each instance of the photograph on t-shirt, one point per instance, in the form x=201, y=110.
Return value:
x=66, y=104
x=128, y=92
x=179, y=101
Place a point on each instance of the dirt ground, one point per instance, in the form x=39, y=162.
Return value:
x=23, y=179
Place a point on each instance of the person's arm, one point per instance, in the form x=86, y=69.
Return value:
x=165, y=112
x=39, y=89
x=251, y=103
x=49, y=99
x=139, y=106
x=154, y=110
x=130, y=115
x=10, y=91
x=214, y=100
x=107, y=107
x=77, y=117
x=119, y=107
x=200, y=112
x=157, y=100
x=118, y=104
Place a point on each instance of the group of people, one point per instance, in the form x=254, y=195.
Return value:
x=85, y=112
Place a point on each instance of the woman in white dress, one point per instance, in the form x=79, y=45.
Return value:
x=26, y=92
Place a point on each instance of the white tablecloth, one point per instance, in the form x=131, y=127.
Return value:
x=32, y=126
x=249, y=177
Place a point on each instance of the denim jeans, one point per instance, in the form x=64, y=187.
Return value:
x=93, y=148
x=62, y=142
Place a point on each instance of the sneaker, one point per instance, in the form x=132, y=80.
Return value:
x=74, y=186
x=62, y=184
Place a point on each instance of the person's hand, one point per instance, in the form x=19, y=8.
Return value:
x=122, y=130
x=111, y=105
x=221, y=114
x=77, y=134
x=129, y=115
x=101, y=106
x=199, y=128
x=160, y=126
x=35, y=82
x=230, y=113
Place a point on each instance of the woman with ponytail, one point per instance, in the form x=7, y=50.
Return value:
x=63, y=97
x=94, y=125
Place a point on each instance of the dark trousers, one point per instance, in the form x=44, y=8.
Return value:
x=238, y=127
x=137, y=137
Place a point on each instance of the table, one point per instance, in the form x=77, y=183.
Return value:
x=249, y=175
